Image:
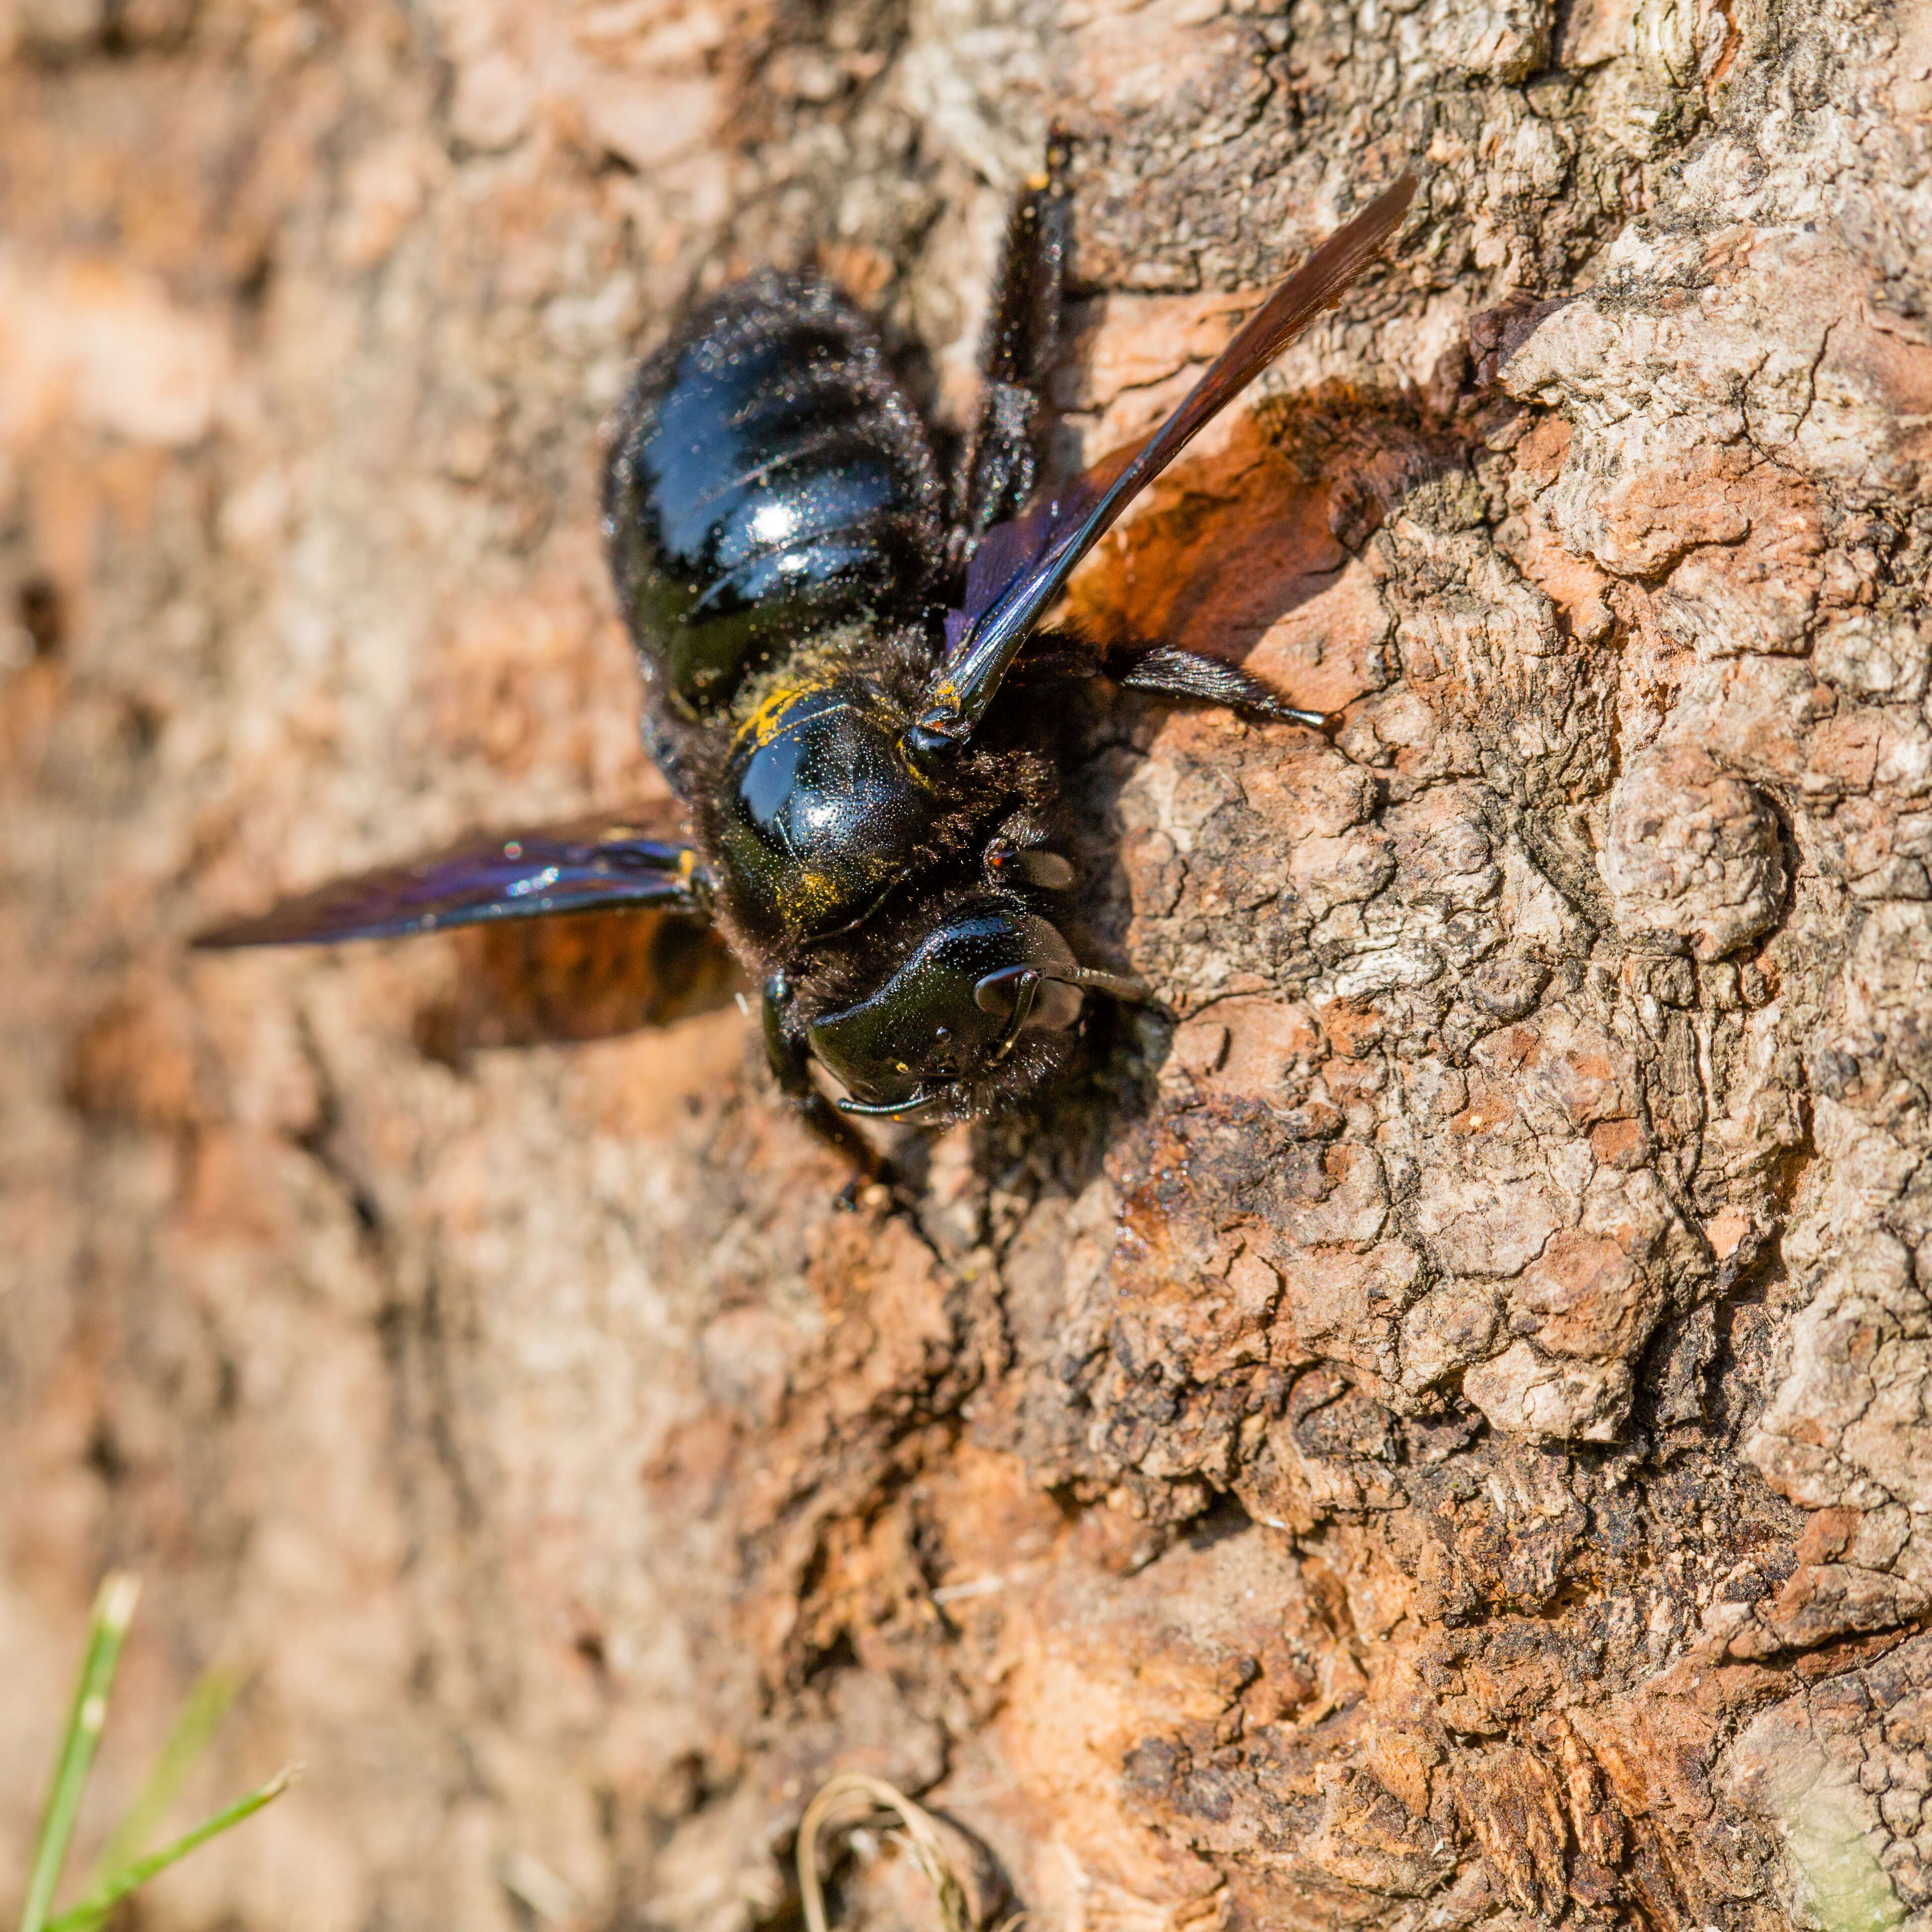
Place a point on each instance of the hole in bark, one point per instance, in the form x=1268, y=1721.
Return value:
x=103, y=1454
x=141, y=723
x=42, y=613
x=251, y=292
x=1225, y=1517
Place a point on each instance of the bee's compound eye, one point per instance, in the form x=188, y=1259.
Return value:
x=1057, y=1006
x=1001, y=992
x=1048, y=1003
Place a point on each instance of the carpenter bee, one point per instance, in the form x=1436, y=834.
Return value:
x=843, y=662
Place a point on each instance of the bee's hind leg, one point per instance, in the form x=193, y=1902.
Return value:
x=1022, y=337
x=1174, y=673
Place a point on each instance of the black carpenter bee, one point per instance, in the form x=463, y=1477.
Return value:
x=829, y=647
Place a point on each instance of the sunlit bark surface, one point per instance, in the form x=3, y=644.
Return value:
x=1430, y=1430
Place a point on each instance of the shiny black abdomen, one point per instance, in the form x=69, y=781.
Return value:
x=767, y=481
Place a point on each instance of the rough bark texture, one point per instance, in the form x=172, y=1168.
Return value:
x=1431, y=1433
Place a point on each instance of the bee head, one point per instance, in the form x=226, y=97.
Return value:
x=987, y=997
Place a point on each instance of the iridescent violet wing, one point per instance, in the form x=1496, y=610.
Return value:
x=584, y=866
x=1022, y=565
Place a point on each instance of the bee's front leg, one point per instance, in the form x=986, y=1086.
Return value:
x=790, y=1057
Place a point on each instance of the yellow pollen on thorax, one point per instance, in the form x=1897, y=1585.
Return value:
x=763, y=725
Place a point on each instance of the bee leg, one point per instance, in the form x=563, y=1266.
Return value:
x=786, y=1048
x=1002, y=463
x=1174, y=673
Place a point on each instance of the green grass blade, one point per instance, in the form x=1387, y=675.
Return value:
x=93, y=1909
x=113, y=1609
x=215, y=1690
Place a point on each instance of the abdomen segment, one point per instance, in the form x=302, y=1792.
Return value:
x=768, y=480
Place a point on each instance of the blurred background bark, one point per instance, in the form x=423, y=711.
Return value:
x=1431, y=1431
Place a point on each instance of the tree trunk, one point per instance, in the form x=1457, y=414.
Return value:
x=1430, y=1430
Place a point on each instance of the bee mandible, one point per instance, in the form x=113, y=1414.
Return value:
x=842, y=662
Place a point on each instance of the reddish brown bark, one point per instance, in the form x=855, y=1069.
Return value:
x=1431, y=1434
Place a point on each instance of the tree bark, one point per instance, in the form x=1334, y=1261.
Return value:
x=1431, y=1430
